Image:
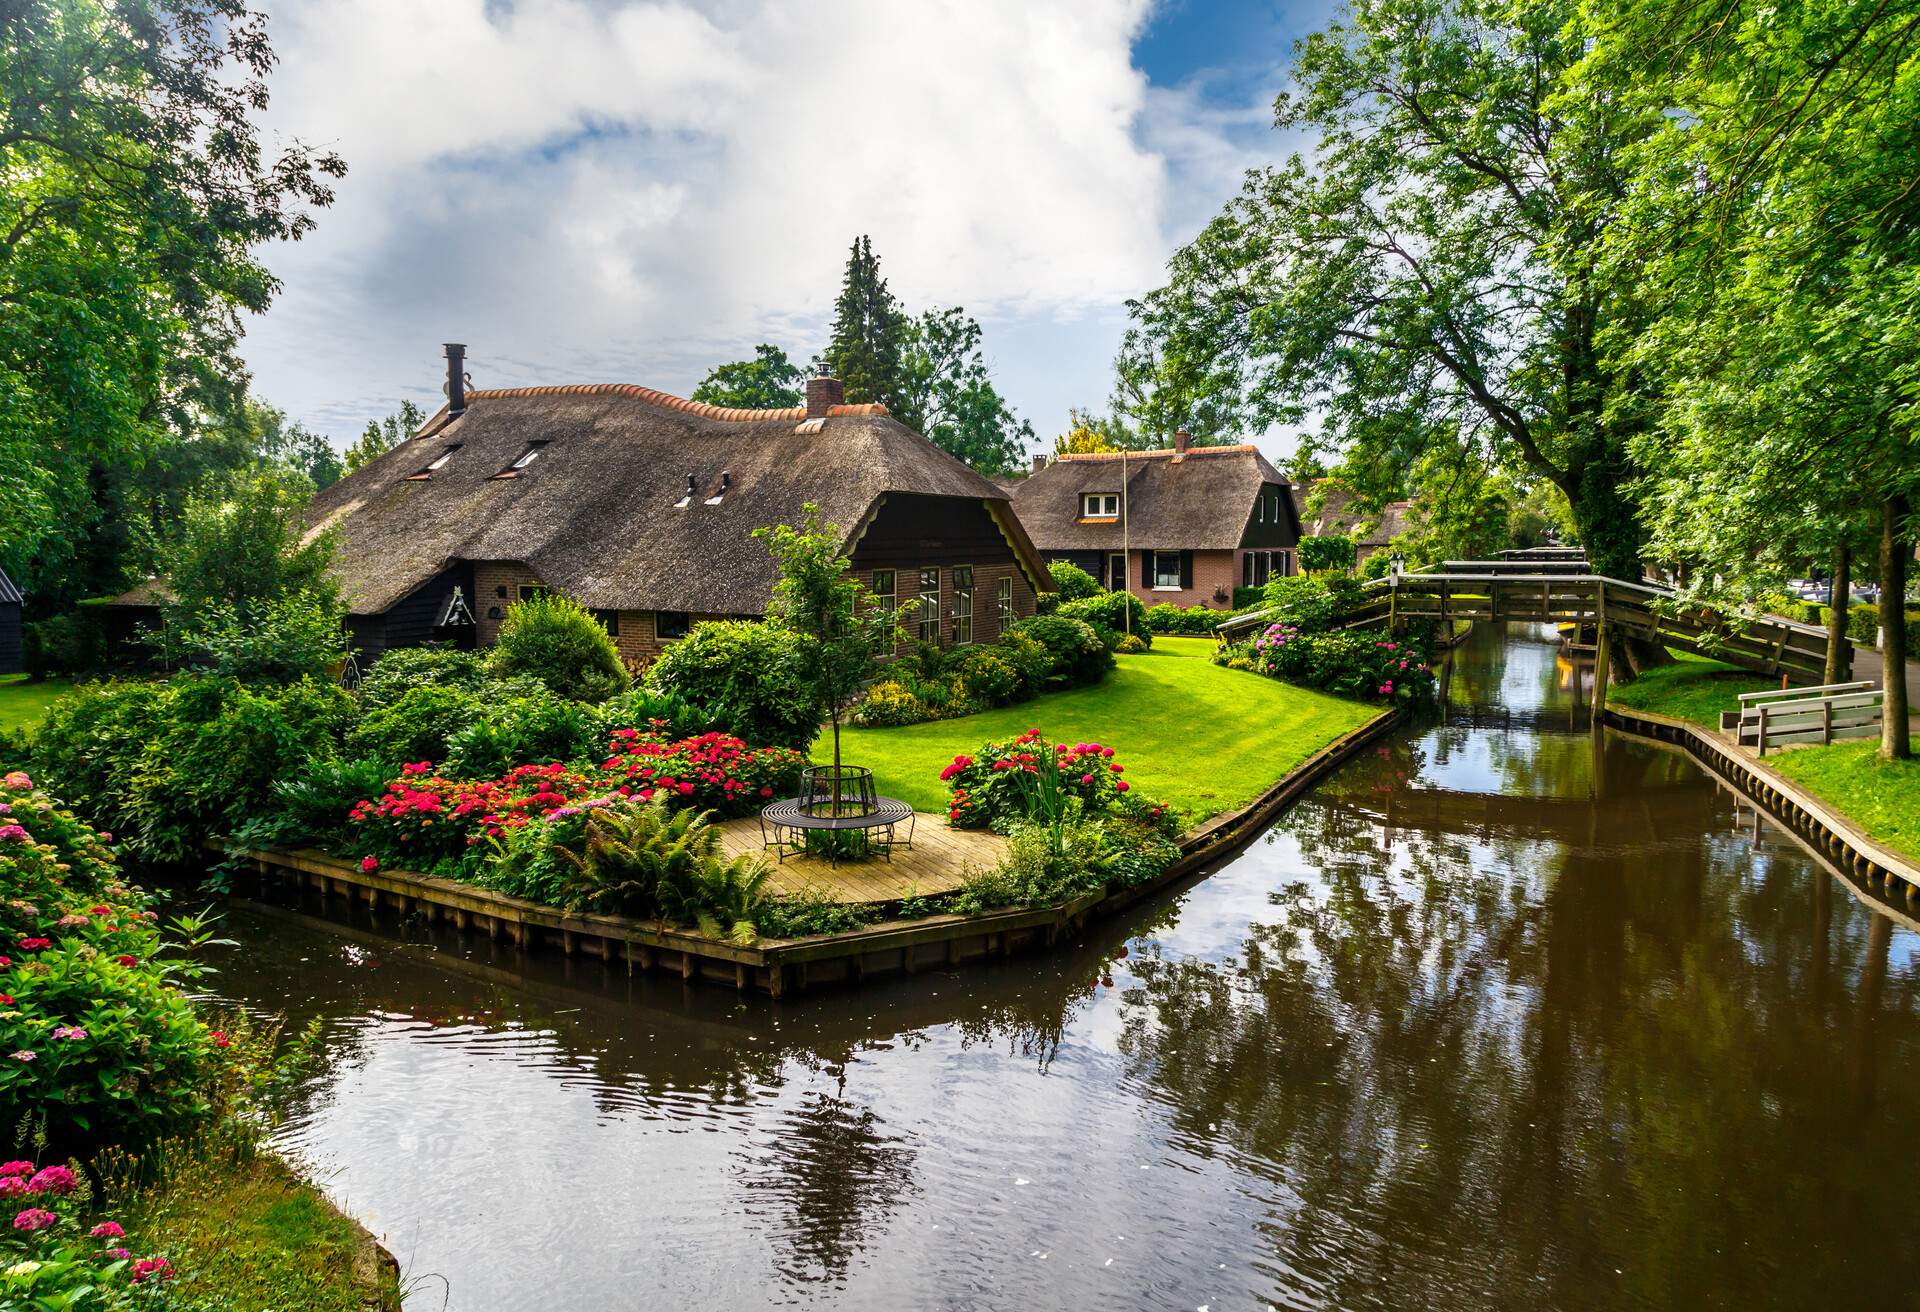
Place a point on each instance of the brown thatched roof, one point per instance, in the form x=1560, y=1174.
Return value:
x=1201, y=501
x=1338, y=514
x=596, y=515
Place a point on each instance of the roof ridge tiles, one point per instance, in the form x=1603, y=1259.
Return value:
x=1162, y=453
x=668, y=401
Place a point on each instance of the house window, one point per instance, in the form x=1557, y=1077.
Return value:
x=1166, y=569
x=1100, y=505
x=1003, y=601
x=1249, y=570
x=528, y=591
x=883, y=592
x=671, y=624
x=610, y=621
x=1117, y=572
x=962, y=604
x=929, y=605
x=1260, y=513
x=527, y=457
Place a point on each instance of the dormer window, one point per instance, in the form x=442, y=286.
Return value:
x=438, y=462
x=527, y=457
x=1099, y=505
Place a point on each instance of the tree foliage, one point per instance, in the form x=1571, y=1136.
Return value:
x=947, y=388
x=134, y=191
x=383, y=435
x=868, y=338
x=769, y=381
x=244, y=544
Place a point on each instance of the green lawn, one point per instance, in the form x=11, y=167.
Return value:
x=23, y=705
x=1692, y=688
x=1882, y=797
x=1189, y=732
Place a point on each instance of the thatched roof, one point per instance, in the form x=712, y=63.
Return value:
x=596, y=515
x=1338, y=514
x=1201, y=501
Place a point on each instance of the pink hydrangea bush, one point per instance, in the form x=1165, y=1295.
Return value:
x=985, y=789
x=50, y=1257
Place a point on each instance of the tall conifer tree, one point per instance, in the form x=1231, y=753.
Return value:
x=868, y=331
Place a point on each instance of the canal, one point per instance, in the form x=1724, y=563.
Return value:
x=1500, y=1016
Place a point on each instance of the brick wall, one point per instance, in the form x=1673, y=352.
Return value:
x=496, y=586
x=1212, y=571
x=639, y=638
x=986, y=609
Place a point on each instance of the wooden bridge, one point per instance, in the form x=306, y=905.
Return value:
x=1558, y=591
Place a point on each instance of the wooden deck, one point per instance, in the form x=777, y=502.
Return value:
x=940, y=861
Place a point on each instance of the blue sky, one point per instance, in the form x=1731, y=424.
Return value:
x=619, y=190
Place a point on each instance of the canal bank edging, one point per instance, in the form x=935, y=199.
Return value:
x=778, y=966
x=1830, y=833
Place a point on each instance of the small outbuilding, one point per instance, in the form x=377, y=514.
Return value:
x=12, y=652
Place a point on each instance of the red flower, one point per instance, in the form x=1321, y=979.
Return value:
x=35, y=944
x=369, y=864
x=127, y=959
x=220, y=1039
x=6, y=999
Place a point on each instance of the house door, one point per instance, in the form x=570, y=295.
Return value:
x=1117, y=571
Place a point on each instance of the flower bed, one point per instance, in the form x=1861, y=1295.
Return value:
x=50, y=1258
x=1355, y=662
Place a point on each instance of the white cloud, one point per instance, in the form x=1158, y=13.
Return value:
x=636, y=191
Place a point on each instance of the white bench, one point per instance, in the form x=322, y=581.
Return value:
x=1805, y=715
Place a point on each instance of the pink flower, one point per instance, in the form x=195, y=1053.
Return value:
x=1086, y=778
x=17, y=1168
x=100, y=911
x=6, y=999
x=13, y=833
x=151, y=1268
x=369, y=863
x=26, y=1054
x=220, y=1039
x=67, y=1032
x=34, y=1218
x=13, y=1184
x=107, y=1230
x=53, y=1180
x=1386, y=689
x=18, y=781
x=35, y=944
x=119, y=1254
x=1118, y=769
x=1106, y=752
x=1122, y=786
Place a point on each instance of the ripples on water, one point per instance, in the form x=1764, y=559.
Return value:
x=1496, y=1018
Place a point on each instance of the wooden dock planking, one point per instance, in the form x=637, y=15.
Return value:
x=939, y=862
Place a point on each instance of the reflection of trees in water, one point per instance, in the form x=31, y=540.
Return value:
x=1515, y=1084
x=837, y=1174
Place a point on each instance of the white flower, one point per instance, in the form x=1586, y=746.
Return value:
x=21, y=1270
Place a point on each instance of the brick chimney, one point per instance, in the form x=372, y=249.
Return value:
x=456, y=378
x=1182, y=439
x=823, y=393
x=1039, y=462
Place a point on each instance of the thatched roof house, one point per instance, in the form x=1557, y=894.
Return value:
x=1194, y=522
x=1337, y=515
x=12, y=653
x=642, y=506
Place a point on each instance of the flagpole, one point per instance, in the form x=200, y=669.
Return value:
x=1126, y=544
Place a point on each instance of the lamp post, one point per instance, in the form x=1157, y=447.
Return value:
x=1396, y=567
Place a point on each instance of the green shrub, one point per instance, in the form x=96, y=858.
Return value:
x=645, y=708
x=524, y=730
x=1141, y=851
x=438, y=666
x=1312, y=603
x=1042, y=868
x=280, y=640
x=416, y=726
x=988, y=676
x=888, y=704
x=309, y=807
x=1193, y=621
x=1121, y=612
x=1330, y=551
x=1071, y=582
x=1366, y=663
x=643, y=859
x=1046, y=603
x=1133, y=644
x=1247, y=598
x=557, y=641
x=742, y=677
x=807, y=914
x=1075, y=654
x=168, y=766
x=61, y=645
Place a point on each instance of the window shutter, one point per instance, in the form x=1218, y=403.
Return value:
x=1186, y=569
x=1146, y=569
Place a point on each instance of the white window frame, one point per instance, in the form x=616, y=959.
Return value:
x=1159, y=574
x=1099, y=505
x=962, y=605
x=930, y=604
x=1003, y=598
x=885, y=600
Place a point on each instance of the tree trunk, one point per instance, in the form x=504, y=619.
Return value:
x=1839, y=650
x=1894, y=744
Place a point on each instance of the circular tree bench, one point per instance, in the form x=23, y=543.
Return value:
x=835, y=799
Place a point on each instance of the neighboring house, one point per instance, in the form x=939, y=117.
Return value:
x=1338, y=516
x=642, y=507
x=12, y=654
x=1194, y=523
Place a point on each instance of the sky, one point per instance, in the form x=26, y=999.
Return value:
x=638, y=190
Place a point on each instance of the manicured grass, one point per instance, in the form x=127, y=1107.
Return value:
x=23, y=705
x=1190, y=733
x=251, y=1236
x=1692, y=688
x=1881, y=797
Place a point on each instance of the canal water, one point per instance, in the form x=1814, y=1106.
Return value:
x=1501, y=1016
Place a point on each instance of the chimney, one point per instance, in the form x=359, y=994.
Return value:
x=456, y=378
x=1181, y=441
x=1039, y=463
x=823, y=392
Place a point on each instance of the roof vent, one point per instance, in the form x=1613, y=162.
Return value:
x=726, y=481
x=686, y=500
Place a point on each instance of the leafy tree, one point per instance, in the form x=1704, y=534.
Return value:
x=1072, y=582
x=383, y=435
x=134, y=190
x=283, y=639
x=946, y=387
x=869, y=335
x=1091, y=434
x=1434, y=272
x=769, y=381
x=843, y=634
x=298, y=448
x=243, y=545
x=1328, y=551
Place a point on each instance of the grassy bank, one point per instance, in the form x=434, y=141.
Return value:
x=23, y=705
x=1881, y=797
x=248, y=1234
x=1692, y=688
x=1192, y=734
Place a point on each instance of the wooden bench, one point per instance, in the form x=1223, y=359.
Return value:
x=1805, y=715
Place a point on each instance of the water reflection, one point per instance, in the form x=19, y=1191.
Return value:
x=1507, y=1014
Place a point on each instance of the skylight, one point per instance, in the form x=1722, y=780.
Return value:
x=527, y=457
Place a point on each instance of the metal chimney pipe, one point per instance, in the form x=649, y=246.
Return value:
x=456, y=378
